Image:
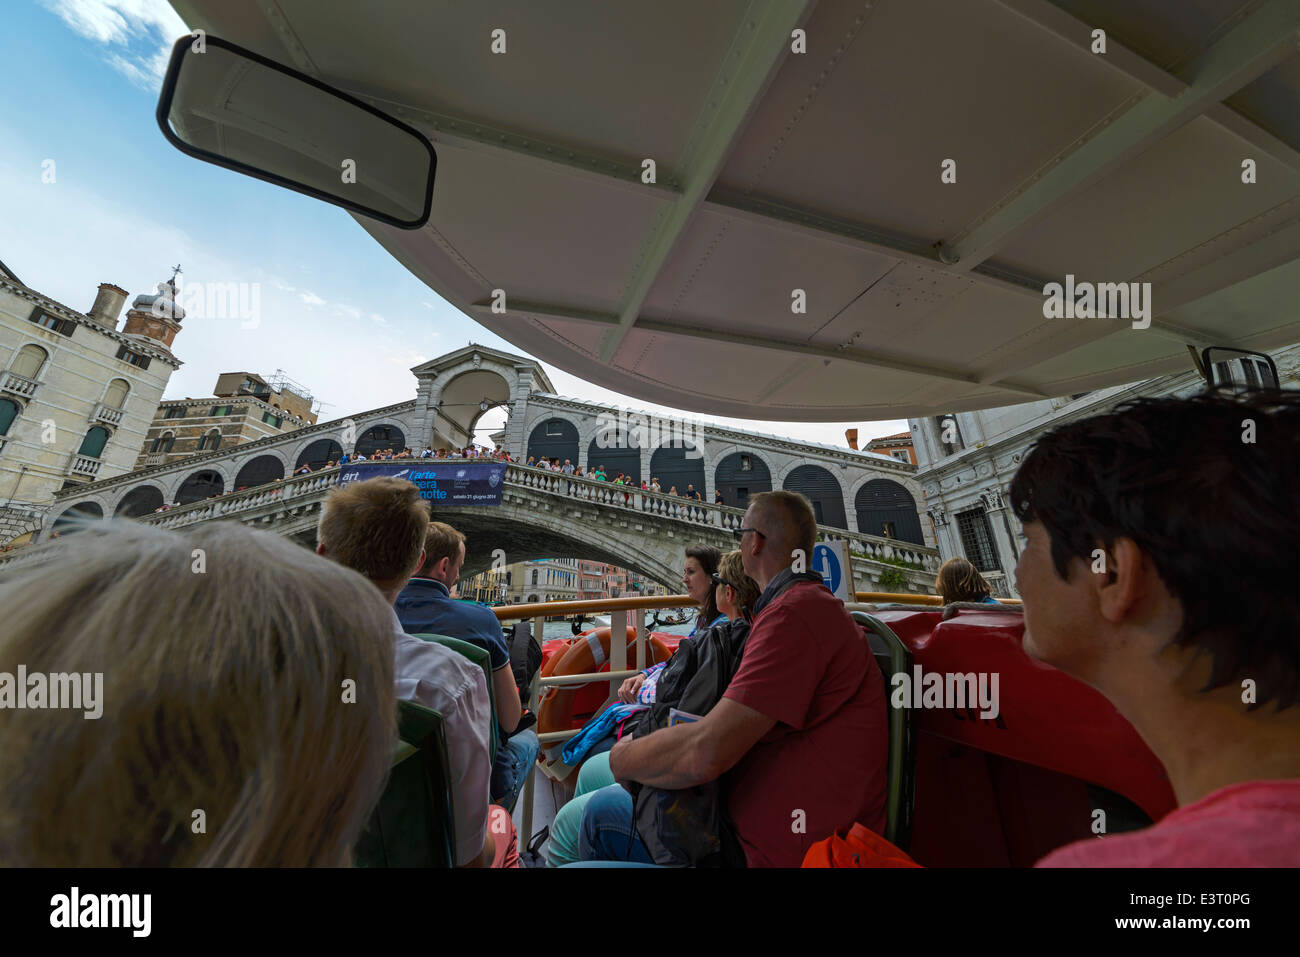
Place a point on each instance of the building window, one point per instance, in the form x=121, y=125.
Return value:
x=134, y=358
x=901, y=455
x=64, y=327
x=746, y=463
x=116, y=393
x=220, y=410
x=92, y=446
x=271, y=419
x=175, y=412
x=163, y=443
x=555, y=427
x=29, y=362
x=977, y=540
x=210, y=442
x=888, y=531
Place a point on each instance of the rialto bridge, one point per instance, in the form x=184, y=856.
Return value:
x=867, y=498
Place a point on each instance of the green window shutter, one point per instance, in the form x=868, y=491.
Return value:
x=92, y=446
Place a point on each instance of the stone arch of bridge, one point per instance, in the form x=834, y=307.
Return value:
x=455, y=395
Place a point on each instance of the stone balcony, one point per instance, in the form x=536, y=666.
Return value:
x=11, y=383
x=84, y=466
x=107, y=415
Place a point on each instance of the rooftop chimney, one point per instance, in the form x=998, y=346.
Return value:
x=851, y=436
x=108, y=305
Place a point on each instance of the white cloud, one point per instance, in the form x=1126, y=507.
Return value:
x=378, y=319
x=138, y=33
x=310, y=298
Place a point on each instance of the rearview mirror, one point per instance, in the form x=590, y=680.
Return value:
x=1238, y=369
x=229, y=106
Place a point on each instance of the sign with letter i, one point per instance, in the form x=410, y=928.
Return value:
x=832, y=561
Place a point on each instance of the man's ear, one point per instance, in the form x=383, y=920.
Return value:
x=1123, y=580
x=320, y=548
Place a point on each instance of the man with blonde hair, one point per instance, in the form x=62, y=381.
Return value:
x=428, y=606
x=807, y=690
x=377, y=528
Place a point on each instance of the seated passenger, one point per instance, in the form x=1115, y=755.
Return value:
x=731, y=591
x=377, y=528
x=802, y=725
x=1131, y=518
x=698, y=577
x=959, y=580
x=211, y=672
x=427, y=607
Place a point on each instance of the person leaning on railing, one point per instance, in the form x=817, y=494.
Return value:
x=216, y=688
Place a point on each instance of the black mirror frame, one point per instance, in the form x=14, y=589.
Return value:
x=179, y=52
x=1207, y=370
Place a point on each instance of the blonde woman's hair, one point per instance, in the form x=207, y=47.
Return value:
x=732, y=569
x=230, y=660
x=959, y=580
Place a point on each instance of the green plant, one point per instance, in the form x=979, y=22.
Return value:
x=891, y=579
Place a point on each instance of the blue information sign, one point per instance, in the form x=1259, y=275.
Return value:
x=452, y=483
x=827, y=564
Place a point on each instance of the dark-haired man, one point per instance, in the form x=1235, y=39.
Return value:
x=1135, y=519
x=427, y=606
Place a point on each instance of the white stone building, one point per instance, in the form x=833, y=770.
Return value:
x=966, y=463
x=77, y=393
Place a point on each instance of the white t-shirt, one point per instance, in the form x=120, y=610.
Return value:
x=456, y=688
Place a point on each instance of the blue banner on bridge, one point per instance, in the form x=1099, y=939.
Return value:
x=453, y=483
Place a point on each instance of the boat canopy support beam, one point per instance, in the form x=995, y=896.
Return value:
x=749, y=66
x=1250, y=49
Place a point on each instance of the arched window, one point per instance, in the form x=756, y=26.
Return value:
x=210, y=442
x=92, y=446
x=823, y=492
x=116, y=393
x=142, y=500
x=8, y=412
x=886, y=508
x=163, y=443
x=29, y=361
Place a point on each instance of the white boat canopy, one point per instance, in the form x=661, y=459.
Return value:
x=856, y=207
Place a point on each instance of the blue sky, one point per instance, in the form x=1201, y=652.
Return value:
x=337, y=313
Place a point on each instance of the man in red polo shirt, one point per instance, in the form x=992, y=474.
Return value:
x=801, y=729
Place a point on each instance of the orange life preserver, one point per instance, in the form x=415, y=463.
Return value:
x=586, y=653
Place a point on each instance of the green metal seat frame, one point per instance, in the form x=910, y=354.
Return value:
x=893, y=657
x=414, y=824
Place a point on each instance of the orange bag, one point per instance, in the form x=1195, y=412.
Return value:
x=861, y=847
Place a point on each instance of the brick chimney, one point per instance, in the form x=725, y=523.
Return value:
x=851, y=436
x=108, y=305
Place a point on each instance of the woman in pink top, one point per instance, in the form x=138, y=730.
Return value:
x=1129, y=517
